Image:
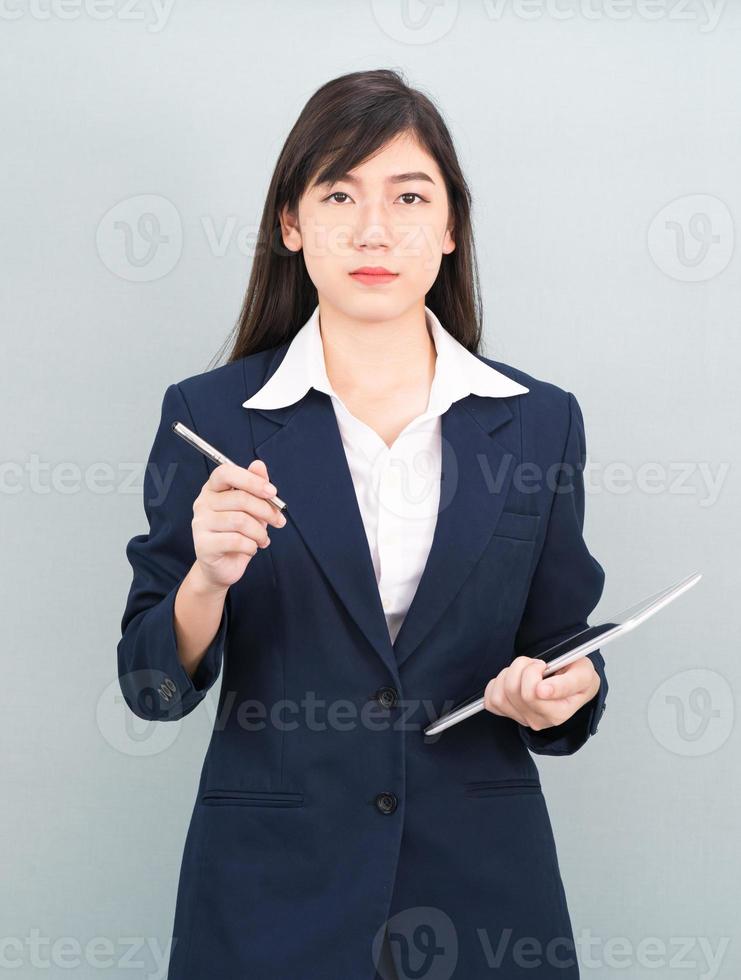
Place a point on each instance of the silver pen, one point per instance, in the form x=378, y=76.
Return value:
x=208, y=450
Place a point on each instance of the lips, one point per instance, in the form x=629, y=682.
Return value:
x=373, y=275
x=372, y=270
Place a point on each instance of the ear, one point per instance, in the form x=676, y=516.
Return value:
x=290, y=230
x=448, y=242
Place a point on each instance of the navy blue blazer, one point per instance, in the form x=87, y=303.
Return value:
x=323, y=814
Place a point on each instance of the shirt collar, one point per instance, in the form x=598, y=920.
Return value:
x=458, y=372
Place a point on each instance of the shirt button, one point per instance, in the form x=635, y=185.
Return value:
x=386, y=802
x=387, y=697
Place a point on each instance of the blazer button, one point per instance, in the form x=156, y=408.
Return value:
x=386, y=802
x=387, y=696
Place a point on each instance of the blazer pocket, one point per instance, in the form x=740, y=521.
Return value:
x=514, y=525
x=503, y=787
x=250, y=797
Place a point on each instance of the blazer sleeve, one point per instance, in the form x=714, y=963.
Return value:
x=153, y=681
x=566, y=586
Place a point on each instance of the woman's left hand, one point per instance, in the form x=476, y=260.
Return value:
x=520, y=692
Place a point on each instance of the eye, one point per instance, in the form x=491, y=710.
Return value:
x=335, y=194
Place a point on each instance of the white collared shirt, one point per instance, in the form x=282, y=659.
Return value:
x=397, y=487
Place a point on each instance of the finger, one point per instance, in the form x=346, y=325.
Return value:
x=497, y=701
x=229, y=543
x=531, y=683
x=236, y=521
x=242, y=500
x=513, y=679
x=525, y=699
x=229, y=475
x=574, y=679
x=258, y=466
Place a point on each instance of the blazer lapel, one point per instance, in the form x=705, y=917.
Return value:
x=302, y=448
x=476, y=475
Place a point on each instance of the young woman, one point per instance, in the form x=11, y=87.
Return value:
x=431, y=547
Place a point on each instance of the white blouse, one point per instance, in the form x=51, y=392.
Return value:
x=397, y=487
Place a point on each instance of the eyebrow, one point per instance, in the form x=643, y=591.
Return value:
x=395, y=179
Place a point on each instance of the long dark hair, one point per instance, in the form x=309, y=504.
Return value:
x=344, y=123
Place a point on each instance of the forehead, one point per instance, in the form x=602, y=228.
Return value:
x=400, y=161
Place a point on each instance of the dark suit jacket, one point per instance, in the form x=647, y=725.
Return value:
x=322, y=811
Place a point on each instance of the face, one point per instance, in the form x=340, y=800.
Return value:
x=392, y=212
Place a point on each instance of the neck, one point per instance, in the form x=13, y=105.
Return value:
x=386, y=355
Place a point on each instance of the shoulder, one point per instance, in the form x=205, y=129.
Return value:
x=541, y=394
x=546, y=411
x=229, y=384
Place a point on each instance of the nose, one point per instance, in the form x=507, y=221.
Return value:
x=372, y=227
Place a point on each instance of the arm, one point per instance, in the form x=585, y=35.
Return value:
x=154, y=682
x=566, y=586
x=198, y=611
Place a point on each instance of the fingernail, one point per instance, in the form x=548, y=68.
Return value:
x=269, y=488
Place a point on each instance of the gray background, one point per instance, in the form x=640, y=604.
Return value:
x=602, y=143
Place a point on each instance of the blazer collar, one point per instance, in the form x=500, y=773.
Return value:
x=302, y=448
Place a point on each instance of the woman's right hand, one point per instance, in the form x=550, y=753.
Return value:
x=230, y=518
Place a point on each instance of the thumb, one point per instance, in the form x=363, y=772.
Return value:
x=258, y=466
x=557, y=685
x=551, y=686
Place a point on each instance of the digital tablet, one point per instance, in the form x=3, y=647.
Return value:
x=578, y=645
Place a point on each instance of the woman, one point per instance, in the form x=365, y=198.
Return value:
x=432, y=547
